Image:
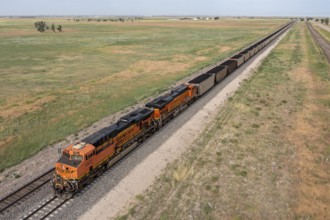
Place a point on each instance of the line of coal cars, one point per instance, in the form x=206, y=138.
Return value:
x=81, y=162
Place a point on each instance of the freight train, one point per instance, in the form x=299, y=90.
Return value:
x=81, y=162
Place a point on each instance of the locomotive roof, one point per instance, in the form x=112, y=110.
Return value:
x=161, y=101
x=137, y=115
x=123, y=123
x=179, y=90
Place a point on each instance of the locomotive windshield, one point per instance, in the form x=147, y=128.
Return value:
x=66, y=155
x=76, y=157
x=73, y=161
x=72, y=157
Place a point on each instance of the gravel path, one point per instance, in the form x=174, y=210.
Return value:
x=324, y=44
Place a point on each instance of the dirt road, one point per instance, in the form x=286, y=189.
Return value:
x=323, y=44
x=322, y=26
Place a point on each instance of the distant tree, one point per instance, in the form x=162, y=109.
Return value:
x=59, y=28
x=322, y=20
x=217, y=18
x=326, y=21
x=317, y=20
x=302, y=19
x=53, y=27
x=41, y=26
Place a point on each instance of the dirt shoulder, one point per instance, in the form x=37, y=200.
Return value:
x=323, y=43
x=266, y=154
x=143, y=175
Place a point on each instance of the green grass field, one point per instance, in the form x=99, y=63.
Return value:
x=55, y=84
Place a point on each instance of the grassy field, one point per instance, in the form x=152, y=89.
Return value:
x=55, y=84
x=266, y=156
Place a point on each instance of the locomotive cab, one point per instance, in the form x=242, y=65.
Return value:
x=70, y=168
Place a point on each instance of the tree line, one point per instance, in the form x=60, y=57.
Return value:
x=42, y=26
x=127, y=19
x=322, y=20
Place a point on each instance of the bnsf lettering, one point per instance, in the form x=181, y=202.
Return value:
x=125, y=134
x=62, y=171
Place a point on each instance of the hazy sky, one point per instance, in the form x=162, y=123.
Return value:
x=167, y=7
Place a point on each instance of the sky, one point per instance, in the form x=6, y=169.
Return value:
x=166, y=7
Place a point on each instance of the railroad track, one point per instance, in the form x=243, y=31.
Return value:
x=46, y=209
x=49, y=206
x=16, y=196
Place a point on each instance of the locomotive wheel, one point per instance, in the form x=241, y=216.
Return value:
x=67, y=195
x=90, y=179
x=107, y=165
x=56, y=192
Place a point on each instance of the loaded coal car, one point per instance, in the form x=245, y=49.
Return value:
x=251, y=50
x=261, y=44
x=169, y=105
x=266, y=42
x=81, y=162
x=230, y=64
x=246, y=54
x=239, y=59
x=203, y=82
x=219, y=71
x=256, y=48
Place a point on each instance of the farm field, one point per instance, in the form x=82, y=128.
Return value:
x=55, y=84
x=267, y=154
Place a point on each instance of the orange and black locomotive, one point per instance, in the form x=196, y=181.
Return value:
x=81, y=162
